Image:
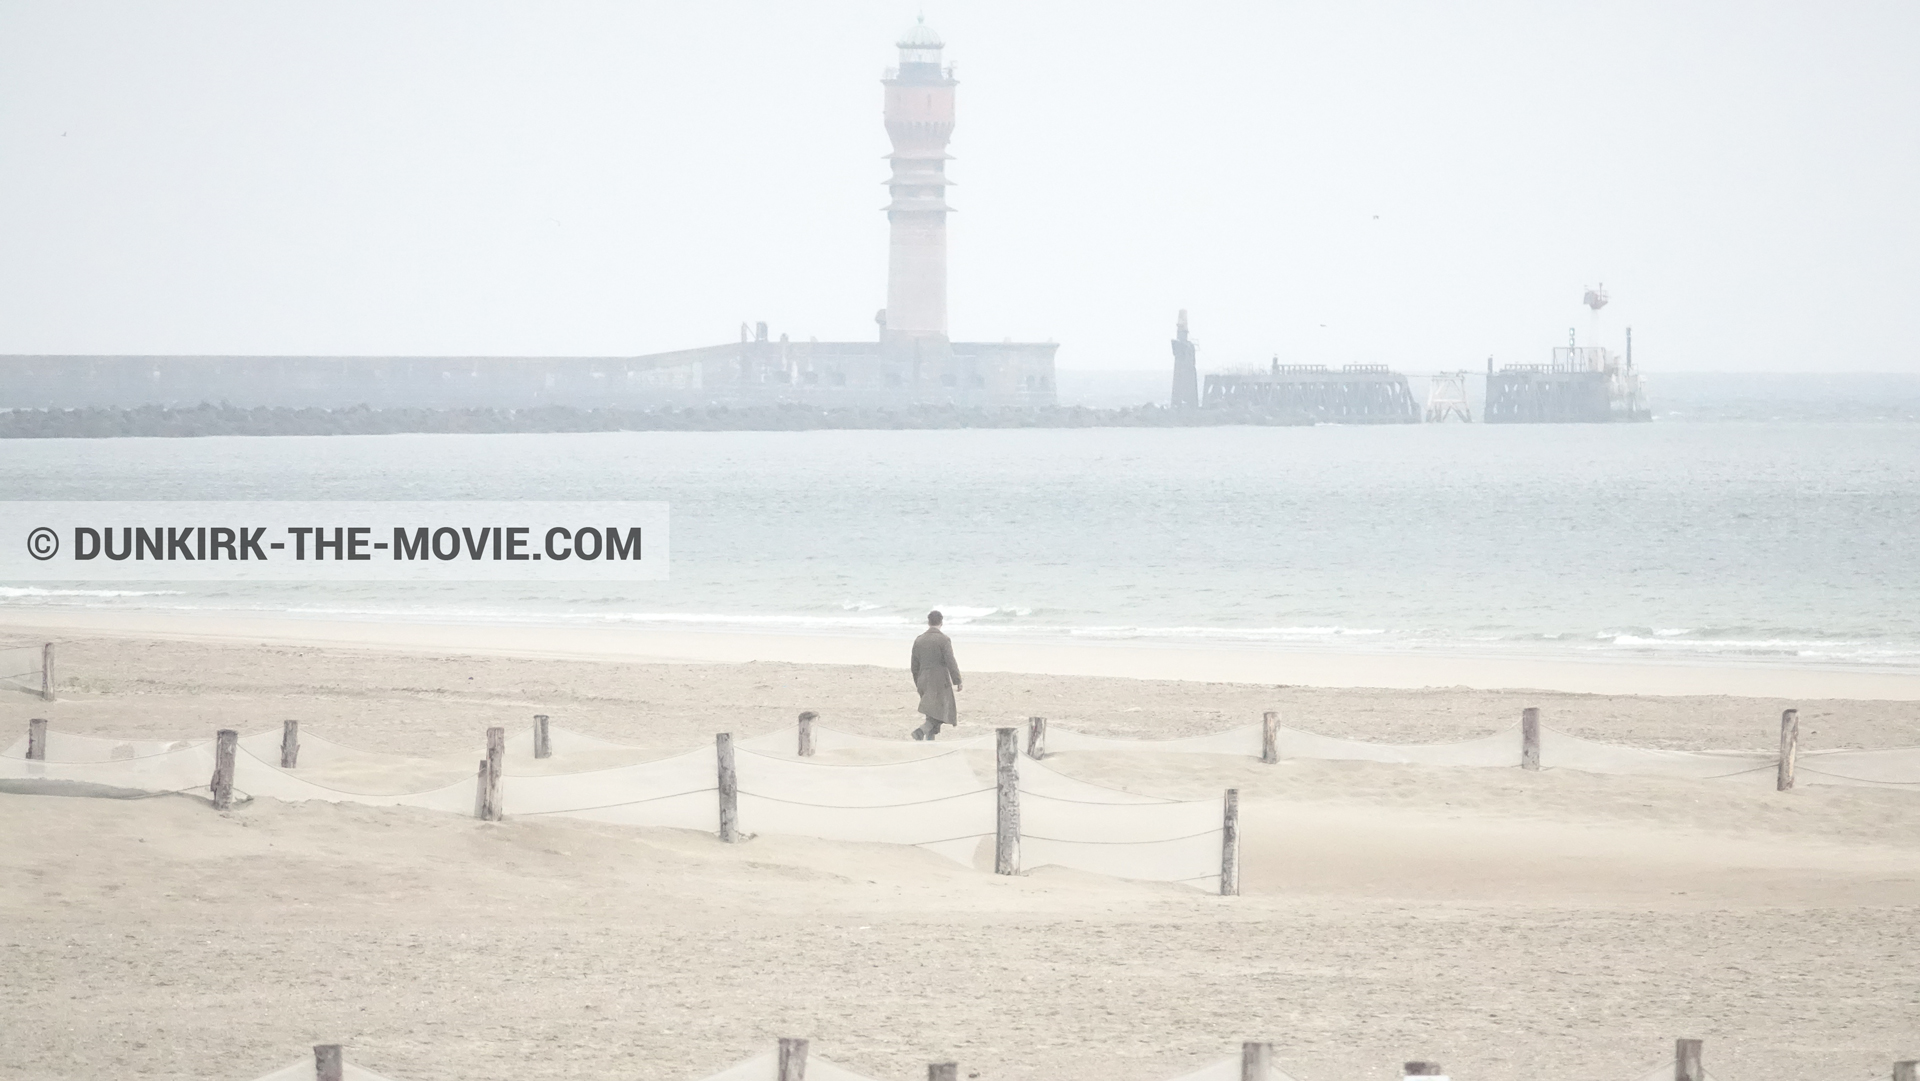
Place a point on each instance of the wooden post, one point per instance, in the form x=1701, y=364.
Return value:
x=327, y=1065
x=46, y=672
x=793, y=1060
x=496, y=775
x=1422, y=1069
x=1270, y=737
x=1256, y=1061
x=1906, y=1071
x=480, y=792
x=224, y=743
x=1686, y=1061
x=1530, y=738
x=1036, y=737
x=289, y=744
x=806, y=734
x=542, y=740
x=730, y=806
x=1006, y=832
x=1789, y=748
x=1230, y=847
x=943, y=1071
x=37, y=739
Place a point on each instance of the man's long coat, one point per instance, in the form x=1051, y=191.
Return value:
x=935, y=674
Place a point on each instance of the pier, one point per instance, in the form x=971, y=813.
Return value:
x=1354, y=394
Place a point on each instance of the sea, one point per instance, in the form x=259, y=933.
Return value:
x=1782, y=532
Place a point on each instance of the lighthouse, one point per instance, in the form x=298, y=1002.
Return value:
x=912, y=362
x=919, y=119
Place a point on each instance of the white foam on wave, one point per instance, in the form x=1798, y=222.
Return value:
x=1697, y=644
x=956, y=615
x=961, y=613
x=30, y=592
x=747, y=620
x=1841, y=651
x=1242, y=634
x=952, y=613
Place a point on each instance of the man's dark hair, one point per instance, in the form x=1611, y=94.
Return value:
x=933, y=619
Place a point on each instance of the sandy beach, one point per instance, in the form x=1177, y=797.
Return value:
x=1505, y=924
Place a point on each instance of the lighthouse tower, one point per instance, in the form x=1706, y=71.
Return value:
x=914, y=362
x=919, y=116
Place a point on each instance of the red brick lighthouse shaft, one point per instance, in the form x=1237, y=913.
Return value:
x=919, y=115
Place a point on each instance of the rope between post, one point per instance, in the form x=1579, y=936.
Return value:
x=610, y=806
x=944, y=840
x=1845, y=777
x=1160, y=841
x=1151, y=801
x=845, y=765
x=864, y=806
x=274, y=765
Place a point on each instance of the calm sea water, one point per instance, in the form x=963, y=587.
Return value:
x=1790, y=541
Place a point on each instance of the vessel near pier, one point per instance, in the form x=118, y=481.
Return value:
x=1582, y=384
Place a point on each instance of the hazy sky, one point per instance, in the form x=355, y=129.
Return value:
x=1419, y=184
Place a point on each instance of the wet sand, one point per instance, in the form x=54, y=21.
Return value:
x=1309, y=667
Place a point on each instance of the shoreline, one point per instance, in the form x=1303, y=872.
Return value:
x=1212, y=663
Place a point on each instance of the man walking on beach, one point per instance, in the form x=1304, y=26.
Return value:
x=935, y=676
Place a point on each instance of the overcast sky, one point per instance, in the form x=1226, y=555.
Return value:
x=1419, y=184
